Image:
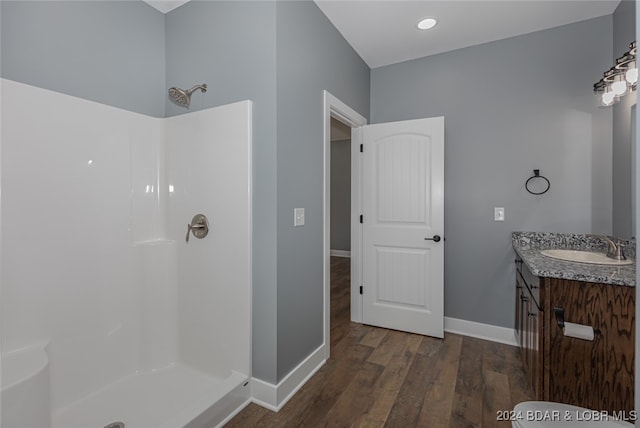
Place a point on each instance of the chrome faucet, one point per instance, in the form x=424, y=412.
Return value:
x=616, y=251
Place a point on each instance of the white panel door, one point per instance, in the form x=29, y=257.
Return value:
x=403, y=225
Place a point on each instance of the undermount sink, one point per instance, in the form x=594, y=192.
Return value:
x=585, y=257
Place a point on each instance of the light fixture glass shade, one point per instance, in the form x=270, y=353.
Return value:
x=608, y=97
x=631, y=75
x=619, y=85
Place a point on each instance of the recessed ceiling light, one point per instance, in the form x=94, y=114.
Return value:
x=427, y=23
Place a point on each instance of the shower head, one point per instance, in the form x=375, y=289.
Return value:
x=183, y=97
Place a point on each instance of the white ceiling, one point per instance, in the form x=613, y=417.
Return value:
x=384, y=32
x=165, y=6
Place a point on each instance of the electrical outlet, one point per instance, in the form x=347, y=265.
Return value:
x=498, y=214
x=298, y=217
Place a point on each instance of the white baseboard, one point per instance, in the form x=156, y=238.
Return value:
x=264, y=394
x=481, y=331
x=273, y=397
x=340, y=253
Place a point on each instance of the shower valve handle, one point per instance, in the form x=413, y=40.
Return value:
x=190, y=229
x=199, y=226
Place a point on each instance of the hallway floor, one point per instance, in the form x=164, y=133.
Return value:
x=386, y=378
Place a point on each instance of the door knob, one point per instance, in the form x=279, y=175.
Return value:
x=436, y=238
x=199, y=226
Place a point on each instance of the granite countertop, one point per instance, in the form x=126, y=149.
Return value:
x=529, y=244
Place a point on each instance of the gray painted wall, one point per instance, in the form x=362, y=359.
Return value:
x=624, y=30
x=510, y=106
x=341, y=195
x=109, y=52
x=231, y=46
x=311, y=56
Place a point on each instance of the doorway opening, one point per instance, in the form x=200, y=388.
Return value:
x=340, y=231
x=344, y=119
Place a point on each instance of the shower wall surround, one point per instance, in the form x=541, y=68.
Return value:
x=95, y=203
x=209, y=171
x=67, y=260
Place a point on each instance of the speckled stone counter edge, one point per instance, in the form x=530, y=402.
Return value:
x=529, y=244
x=570, y=241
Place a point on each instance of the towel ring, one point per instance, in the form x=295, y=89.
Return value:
x=536, y=174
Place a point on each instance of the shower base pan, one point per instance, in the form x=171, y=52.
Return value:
x=174, y=397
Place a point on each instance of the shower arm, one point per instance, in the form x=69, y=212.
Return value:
x=202, y=87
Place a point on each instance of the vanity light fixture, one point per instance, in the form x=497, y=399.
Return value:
x=427, y=23
x=619, y=80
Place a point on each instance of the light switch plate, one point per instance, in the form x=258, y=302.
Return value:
x=498, y=214
x=298, y=216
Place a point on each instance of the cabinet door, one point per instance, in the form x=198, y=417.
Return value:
x=533, y=355
x=596, y=374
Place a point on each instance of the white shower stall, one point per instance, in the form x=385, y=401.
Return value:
x=109, y=317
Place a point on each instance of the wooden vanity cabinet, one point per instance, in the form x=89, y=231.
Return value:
x=598, y=374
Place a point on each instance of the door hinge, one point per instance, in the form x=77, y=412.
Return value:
x=361, y=219
x=361, y=148
x=361, y=289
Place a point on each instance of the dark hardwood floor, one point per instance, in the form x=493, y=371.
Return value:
x=386, y=378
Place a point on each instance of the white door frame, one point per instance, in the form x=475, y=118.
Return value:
x=335, y=108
